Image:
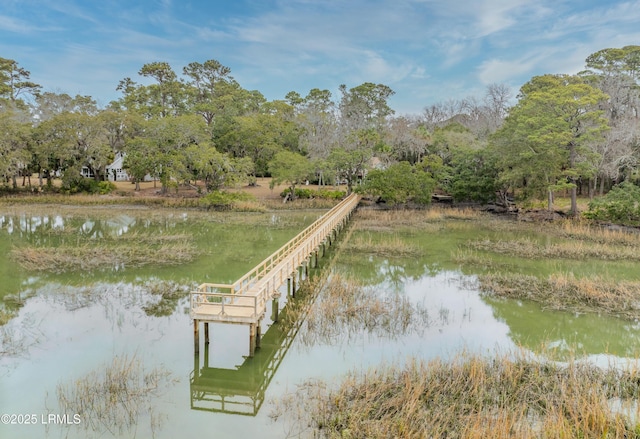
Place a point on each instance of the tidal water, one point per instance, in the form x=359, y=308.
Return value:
x=67, y=330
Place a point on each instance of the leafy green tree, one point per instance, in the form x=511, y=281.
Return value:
x=139, y=160
x=291, y=168
x=400, y=183
x=351, y=164
x=473, y=175
x=544, y=142
x=215, y=169
x=162, y=146
x=366, y=105
x=14, y=147
x=260, y=136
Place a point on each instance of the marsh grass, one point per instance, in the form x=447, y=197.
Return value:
x=392, y=245
x=471, y=396
x=105, y=255
x=566, y=292
x=532, y=249
x=345, y=308
x=477, y=259
x=586, y=231
x=298, y=204
x=116, y=396
x=428, y=219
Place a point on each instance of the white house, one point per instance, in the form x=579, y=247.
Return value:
x=116, y=172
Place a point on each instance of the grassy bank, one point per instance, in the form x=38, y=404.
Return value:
x=470, y=397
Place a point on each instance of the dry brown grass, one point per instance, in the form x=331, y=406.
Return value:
x=115, y=397
x=141, y=250
x=345, y=307
x=387, y=245
x=566, y=292
x=508, y=396
x=385, y=220
x=529, y=248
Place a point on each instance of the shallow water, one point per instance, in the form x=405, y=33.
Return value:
x=70, y=325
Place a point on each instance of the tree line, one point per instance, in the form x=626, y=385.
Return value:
x=570, y=133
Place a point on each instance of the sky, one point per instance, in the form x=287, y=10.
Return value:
x=427, y=51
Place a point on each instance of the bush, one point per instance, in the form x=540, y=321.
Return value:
x=620, y=205
x=220, y=200
x=330, y=195
x=309, y=193
x=73, y=184
x=300, y=193
x=106, y=187
x=398, y=184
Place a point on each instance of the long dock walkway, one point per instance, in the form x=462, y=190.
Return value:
x=245, y=301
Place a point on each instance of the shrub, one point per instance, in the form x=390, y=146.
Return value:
x=106, y=187
x=300, y=193
x=620, y=205
x=220, y=200
x=330, y=195
x=305, y=193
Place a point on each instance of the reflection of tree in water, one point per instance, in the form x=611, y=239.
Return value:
x=168, y=296
x=116, y=397
x=565, y=332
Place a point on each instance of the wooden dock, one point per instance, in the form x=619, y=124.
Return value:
x=245, y=301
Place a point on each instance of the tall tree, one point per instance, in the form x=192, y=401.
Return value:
x=15, y=83
x=616, y=72
x=211, y=87
x=545, y=140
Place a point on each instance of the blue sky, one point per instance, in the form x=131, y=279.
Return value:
x=427, y=51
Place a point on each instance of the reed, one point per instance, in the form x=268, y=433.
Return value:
x=529, y=248
x=566, y=292
x=471, y=396
x=387, y=245
x=345, y=308
x=101, y=255
x=114, y=397
x=384, y=220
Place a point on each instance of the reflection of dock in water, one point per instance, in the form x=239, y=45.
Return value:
x=241, y=390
